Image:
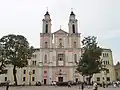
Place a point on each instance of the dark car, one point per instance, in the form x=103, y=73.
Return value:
x=38, y=83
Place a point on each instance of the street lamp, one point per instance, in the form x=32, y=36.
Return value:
x=30, y=78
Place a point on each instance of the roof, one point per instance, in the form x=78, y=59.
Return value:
x=117, y=66
x=60, y=32
x=105, y=49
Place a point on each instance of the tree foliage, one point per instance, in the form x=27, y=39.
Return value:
x=17, y=50
x=90, y=62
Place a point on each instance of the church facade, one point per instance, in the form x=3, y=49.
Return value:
x=59, y=51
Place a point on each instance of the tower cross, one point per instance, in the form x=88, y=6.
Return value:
x=47, y=8
x=60, y=26
x=71, y=9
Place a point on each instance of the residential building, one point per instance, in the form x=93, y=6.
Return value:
x=117, y=70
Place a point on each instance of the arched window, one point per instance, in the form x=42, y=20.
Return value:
x=73, y=28
x=45, y=59
x=74, y=45
x=46, y=28
x=46, y=44
x=75, y=58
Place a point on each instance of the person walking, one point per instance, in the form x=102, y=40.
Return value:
x=103, y=84
x=82, y=86
x=69, y=84
x=7, y=86
x=95, y=86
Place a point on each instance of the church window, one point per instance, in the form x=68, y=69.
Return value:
x=46, y=44
x=74, y=45
x=46, y=28
x=60, y=43
x=75, y=58
x=45, y=59
x=60, y=57
x=73, y=28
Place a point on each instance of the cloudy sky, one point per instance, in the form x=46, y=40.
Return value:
x=100, y=18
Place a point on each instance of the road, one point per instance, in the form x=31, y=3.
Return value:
x=53, y=88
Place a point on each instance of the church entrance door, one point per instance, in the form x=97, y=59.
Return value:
x=60, y=79
x=45, y=81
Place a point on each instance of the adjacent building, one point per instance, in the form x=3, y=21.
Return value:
x=57, y=56
x=117, y=70
x=109, y=75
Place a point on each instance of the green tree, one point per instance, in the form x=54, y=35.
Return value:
x=17, y=50
x=90, y=62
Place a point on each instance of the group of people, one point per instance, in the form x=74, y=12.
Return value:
x=95, y=86
x=116, y=84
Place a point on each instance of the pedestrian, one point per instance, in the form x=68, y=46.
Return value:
x=95, y=86
x=7, y=86
x=69, y=85
x=82, y=86
x=103, y=84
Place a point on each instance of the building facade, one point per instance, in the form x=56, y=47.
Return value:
x=57, y=56
x=107, y=61
x=117, y=70
x=59, y=51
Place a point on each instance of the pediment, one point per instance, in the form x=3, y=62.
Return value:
x=60, y=32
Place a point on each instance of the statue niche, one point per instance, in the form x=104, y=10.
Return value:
x=60, y=43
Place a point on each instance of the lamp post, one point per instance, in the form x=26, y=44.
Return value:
x=30, y=78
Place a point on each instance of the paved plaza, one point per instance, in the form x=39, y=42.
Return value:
x=53, y=88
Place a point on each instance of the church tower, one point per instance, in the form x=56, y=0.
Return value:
x=46, y=23
x=46, y=35
x=73, y=26
x=45, y=45
x=74, y=36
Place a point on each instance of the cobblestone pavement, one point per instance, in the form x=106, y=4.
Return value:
x=53, y=88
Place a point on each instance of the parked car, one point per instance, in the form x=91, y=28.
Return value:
x=38, y=83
